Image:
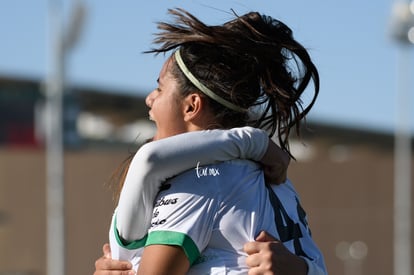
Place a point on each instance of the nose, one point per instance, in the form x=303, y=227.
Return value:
x=150, y=99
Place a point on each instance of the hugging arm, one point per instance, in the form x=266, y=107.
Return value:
x=159, y=160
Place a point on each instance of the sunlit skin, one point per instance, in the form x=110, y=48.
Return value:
x=165, y=108
x=174, y=114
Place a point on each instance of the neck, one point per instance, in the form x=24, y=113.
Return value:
x=205, y=122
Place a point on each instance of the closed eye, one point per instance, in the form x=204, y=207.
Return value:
x=158, y=88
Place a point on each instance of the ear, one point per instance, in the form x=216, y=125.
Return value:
x=192, y=107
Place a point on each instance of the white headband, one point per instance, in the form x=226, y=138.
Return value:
x=203, y=88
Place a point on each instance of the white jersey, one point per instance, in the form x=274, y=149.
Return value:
x=159, y=160
x=293, y=229
x=212, y=211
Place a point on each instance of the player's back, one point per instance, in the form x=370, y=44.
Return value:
x=224, y=205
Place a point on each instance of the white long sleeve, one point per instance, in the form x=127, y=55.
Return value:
x=159, y=160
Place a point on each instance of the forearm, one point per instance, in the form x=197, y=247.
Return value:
x=159, y=160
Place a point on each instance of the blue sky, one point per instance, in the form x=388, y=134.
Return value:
x=348, y=40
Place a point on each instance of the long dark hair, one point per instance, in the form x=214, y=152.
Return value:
x=252, y=61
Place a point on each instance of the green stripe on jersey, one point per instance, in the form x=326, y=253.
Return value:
x=127, y=244
x=175, y=238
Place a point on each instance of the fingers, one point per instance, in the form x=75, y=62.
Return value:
x=275, y=163
x=253, y=260
x=104, y=263
x=108, y=263
x=105, y=266
x=113, y=272
x=267, y=255
x=275, y=175
x=106, y=249
x=262, y=241
x=260, y=262
x=251, y=248
x=265, y=237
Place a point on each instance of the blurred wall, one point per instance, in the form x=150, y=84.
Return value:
x=89, y=207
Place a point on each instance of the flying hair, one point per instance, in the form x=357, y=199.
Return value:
x=252, y=61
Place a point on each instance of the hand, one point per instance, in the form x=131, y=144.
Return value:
x=106, y=266
x=269, y=256
x=275, y=164
x=275, y=174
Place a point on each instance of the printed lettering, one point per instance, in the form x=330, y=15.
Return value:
x=288, y=230
x=302, y=216
x=156, y=213
x=158, y=222
x=163, y=201
x=206, y=171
